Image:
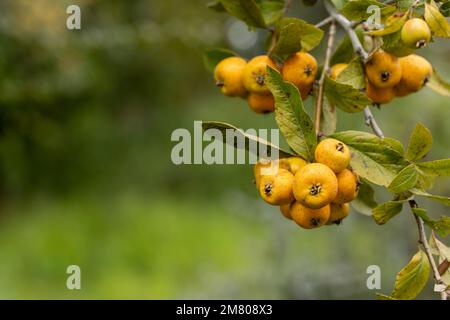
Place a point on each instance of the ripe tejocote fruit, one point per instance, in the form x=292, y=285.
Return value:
x=337, y=69
x=261, y=103
x=383, y=69
x=309, y=218
x=285, y=209
x=277, y=189
x=348, y=186
x=300, y=69
x=295, y=164
x=416, y=71
x=254, y=74
x=338, y=212
x=379, y=95
x=333, y=153
x=415, y=33
x=268, y=167
x=315, y=185
x=228, y=76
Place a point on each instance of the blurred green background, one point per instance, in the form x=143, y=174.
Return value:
x=86, y=176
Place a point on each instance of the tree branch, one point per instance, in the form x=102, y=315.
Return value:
x=370, y=120
x=326, y=67
x=323, y=22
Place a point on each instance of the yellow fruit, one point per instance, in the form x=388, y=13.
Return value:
x=416, y=71
x=254, y=74
x=295, y=164
x=277, y=189
x=228, y=76
x=348, y=186
x=301, y=70
x=383, y=69
x=261, y=103
x=415, y=33
x=379, y=95
x=309, y=218
x=285, y=209
x=338, y=212
x=336, y=69
x=315, y=185
x=268, y=167
x=333, y=153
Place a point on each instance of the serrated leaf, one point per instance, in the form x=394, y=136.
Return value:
x=272, y=11
x=439, y=26
x=294, y=34
x=439, y=85
x=441, y=226
x=328, y=118
x=365, y=201
x=440, y=168
x=395, y=26
x=345, y=97
x=406, y=179
x=357, y=10
x=345, y=52
x=291, y=117
x=412, y=278
x=420, y=143
x=373, y=158
x=248, y=138
x=245, y=10
x=353, y=74
x=211, y=57
x=442, y=199
x=386, y=211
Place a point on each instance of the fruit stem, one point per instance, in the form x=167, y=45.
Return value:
x=326, y=67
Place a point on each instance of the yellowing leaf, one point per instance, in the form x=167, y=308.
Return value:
x=406, y=179
x=391, y=28
x=420, y=143
x=438, y=24
x=386, y=211
x=345, y=97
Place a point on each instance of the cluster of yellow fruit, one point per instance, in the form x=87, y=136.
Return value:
x=239, y=78
x=311, y=194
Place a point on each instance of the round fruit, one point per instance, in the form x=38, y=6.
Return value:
x=285, y=209
x=383, y=69
x=300, y=69
x=315, y=185
x=379, y=95
x=415, y=33
x=416, y=71
x=228, y=76
x=309, y=218
x=254, y=74
x=338, y=212
x=348, y=186
x=277, y=189
x=336, y=69
x=267, y=167
x=261, y=103
x=333, y=153
x=295, y=164
x=305, y=91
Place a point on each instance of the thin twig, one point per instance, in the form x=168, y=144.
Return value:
x=370, y=120
x=323, y=22
x=273, y=42
x=286, y=7
x=326, y=67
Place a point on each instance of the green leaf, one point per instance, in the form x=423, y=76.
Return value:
x=373, y=158
x=406, y=179
x=339, y=4
x=295, y=34
x=393, y=43
x=357, y=10
x=412, y=278
x=404, y=4
x=391, y=28
x=440, y=168
x=345, y=97
x=436, y=21
x=213, y=56
x=344, y=52
x=272, y=11
x=216, y=6
x=442, y=199
x=328, y=118
x=248, y=138
x=441, y=226
x=353, y=74
x=245, y=10
x=420, y=143
x=365, y=201
x=439, y=85
x=445, y=9
x=386, y=211
x=292, y=119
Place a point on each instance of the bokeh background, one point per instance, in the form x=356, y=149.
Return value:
x=86, y=176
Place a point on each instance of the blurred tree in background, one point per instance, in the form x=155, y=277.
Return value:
x=86, y=175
